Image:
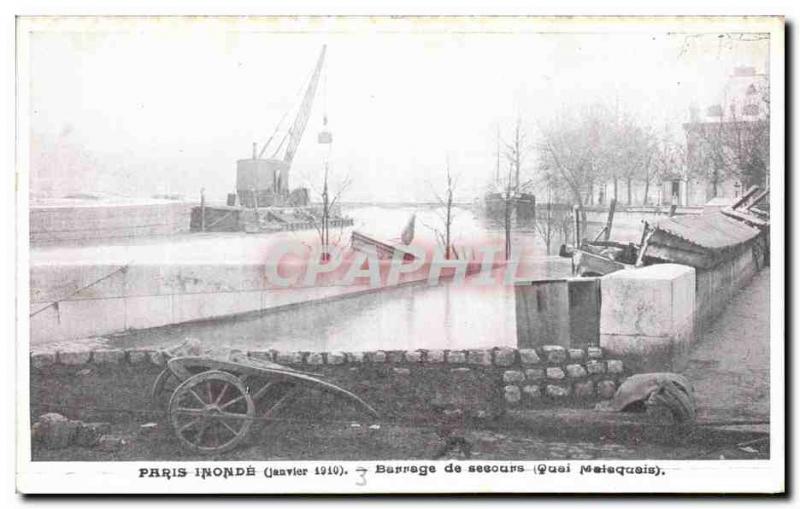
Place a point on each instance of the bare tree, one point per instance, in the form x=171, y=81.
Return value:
x=730, y=147
x=445, y=200
x=511, y=186
x=554, y=215
x=321, y=219
x=637, y=156
x=515, y=153
x=668, y=158
x=570, y=149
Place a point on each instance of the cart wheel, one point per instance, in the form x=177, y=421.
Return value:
x=211, y=412
x=162, y=389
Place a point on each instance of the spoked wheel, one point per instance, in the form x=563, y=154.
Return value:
x=162, y=389
x=211, y=412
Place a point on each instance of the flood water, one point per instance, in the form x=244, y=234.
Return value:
x=445, y=316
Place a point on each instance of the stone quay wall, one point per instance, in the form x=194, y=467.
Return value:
x=418, y=385
x=104, y=221
x=99, y=299
x=717, y=286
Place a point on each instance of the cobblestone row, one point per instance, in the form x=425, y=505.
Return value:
x=589, y=359
x=524, y=376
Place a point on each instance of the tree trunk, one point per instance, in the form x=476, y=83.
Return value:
x=447, y=225
x=507, y=226
x=645, y=199
x=629, y=191
x=576, y=195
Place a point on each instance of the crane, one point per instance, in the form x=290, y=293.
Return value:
x=261, y=181
x=300, y=121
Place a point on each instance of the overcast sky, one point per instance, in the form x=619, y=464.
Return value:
x=139, y=112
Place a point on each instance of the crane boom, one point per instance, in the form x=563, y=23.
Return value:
x=300, y=121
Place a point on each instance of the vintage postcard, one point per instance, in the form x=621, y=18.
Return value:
x=357, y=255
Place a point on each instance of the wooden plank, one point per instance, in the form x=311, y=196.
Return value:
x=589, y=263
x=610, y=219
x=542, y=309
x=584, y=312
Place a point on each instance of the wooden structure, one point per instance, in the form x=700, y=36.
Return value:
x=562, y=312
x=365, y=244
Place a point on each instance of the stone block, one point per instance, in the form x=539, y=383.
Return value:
x=261, y=355
x=647, y=316
x=557, y=391
x=137, y=356
x=528, y=356
x=456, y=357
x=512, y=394
x=74, y=358
x=413, y=356
x=584, y=389
x=513, y=377
x=54, y=431
x=555, y=354
x=479, y=357
x=396, y=356
x=315, y=359
x=41, y=360
x=402, y=371
x=505, y=357
x=614, y=366
x=555, y=373
x=460, y=371
x=355, y=357
x=336, y=358
x=594, y=352
x=532, y=391
x=595, y=367
x=575, y=371
x=576, y=354
x=647, y=301
x=88, y=433
x=534, y=373
x=156, y=357
x=606, y=389
x=286, y=358
x=108, y=356
x=378, y=357
x=434, y=356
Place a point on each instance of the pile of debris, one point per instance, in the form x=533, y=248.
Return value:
x=700, y=241
x=54, y=431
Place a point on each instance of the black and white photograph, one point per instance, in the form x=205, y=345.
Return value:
x=374, y=254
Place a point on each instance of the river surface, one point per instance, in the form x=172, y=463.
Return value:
x=445, y=316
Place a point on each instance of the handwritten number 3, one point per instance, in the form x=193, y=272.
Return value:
x=363, y=479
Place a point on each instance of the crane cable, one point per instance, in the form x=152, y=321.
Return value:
x=297, y=101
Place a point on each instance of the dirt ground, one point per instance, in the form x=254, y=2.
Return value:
x=293, y=440
x=730, y=366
